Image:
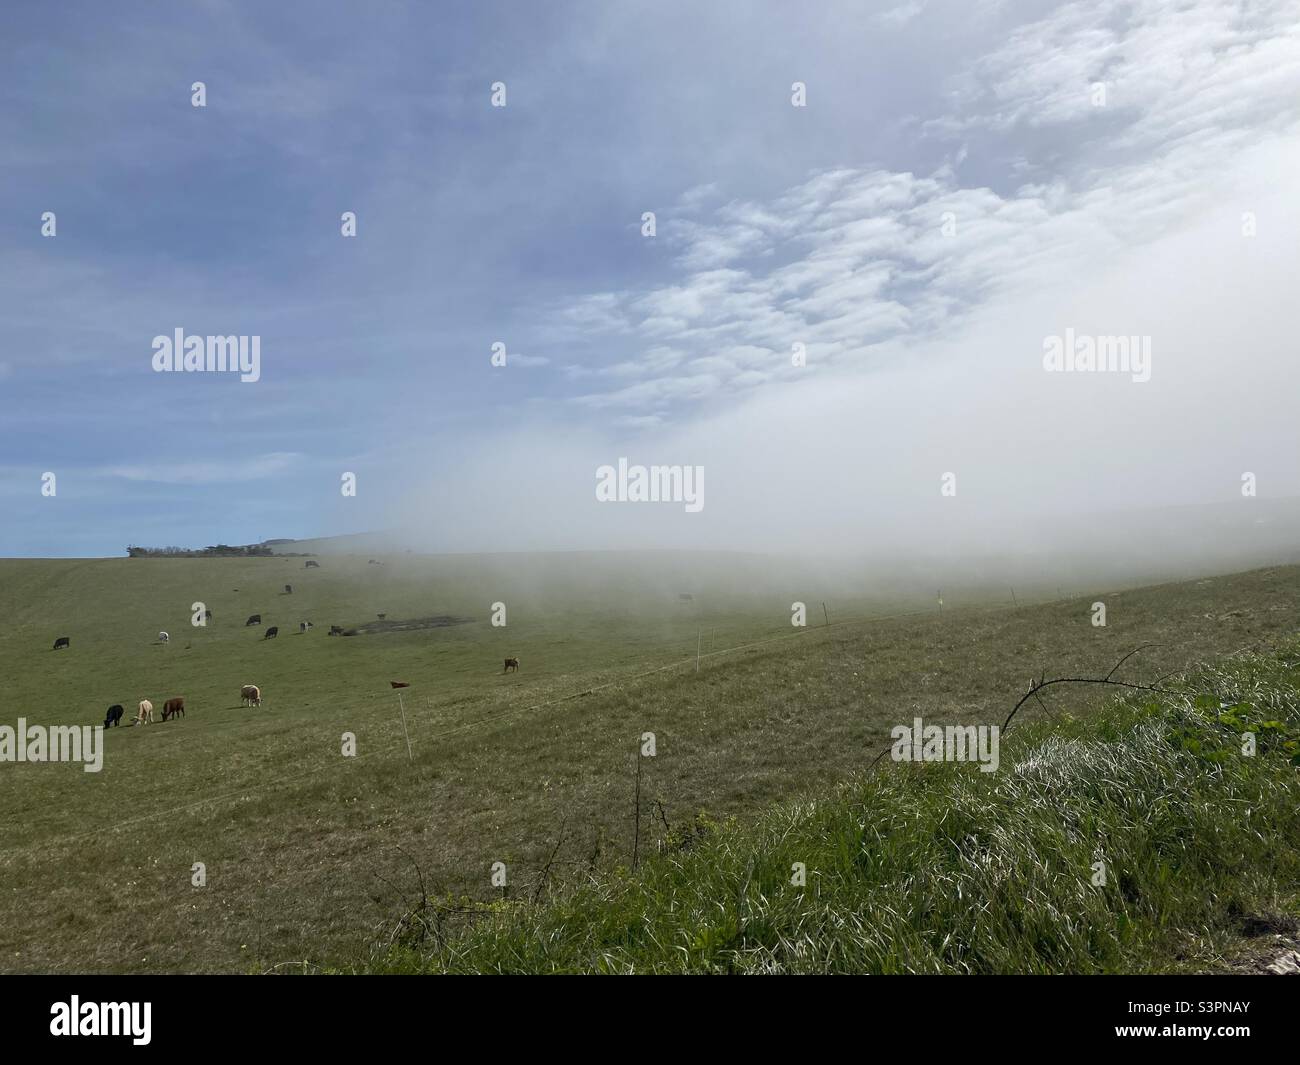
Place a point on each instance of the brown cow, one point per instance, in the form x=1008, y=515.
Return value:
x=400, y=683
x=174, y=707
x=250, y=695
x=511, y=663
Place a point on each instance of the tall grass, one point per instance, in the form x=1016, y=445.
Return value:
x=944, y=869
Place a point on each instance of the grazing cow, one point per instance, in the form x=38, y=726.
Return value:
x=272, y=632
x=114, y=715
x=62, y=641
x=250, y=695
x=174, y=708
x=336, y=630
x=253, y=619
x=207, y=615
x=311, y=565
x=288, y=589
x=381, y=616
x=400, y=683
x=145, y=713
x=511, y=663
x=163, y=637
x=303, y=626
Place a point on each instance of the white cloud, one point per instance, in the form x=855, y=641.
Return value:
x=255, y=469
x=902, y=14
x=851, y=260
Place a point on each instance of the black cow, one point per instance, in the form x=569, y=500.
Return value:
x=311, y=565
x=207, y=615
x=253, y=619
x=336, y=630
x=288, y=589
x=62, y=641
x=114, y=715
x=272, y=632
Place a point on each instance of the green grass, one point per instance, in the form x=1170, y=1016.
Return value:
x=1133, y=840
x=312, y=856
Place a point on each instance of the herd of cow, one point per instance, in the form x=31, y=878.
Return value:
x=250, y=694
x=144, y=714
x=273, y=631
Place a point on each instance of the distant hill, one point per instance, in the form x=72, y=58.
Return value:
x=218, y=551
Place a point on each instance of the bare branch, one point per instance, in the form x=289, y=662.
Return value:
x=1140, y=647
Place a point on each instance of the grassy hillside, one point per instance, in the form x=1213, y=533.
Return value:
x=311, y=855
x=1138, y=839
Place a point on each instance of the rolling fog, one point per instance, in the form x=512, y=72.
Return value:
x=1074, y=477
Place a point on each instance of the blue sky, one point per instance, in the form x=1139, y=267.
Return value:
x=776, y=224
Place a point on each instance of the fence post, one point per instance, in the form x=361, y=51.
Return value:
x=636, y=836
x=409, y=755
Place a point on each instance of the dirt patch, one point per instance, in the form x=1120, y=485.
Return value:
x=373, y=628
x=1270, y=946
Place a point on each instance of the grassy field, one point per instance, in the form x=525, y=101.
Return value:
x=315, y=857
x=1137, y=839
